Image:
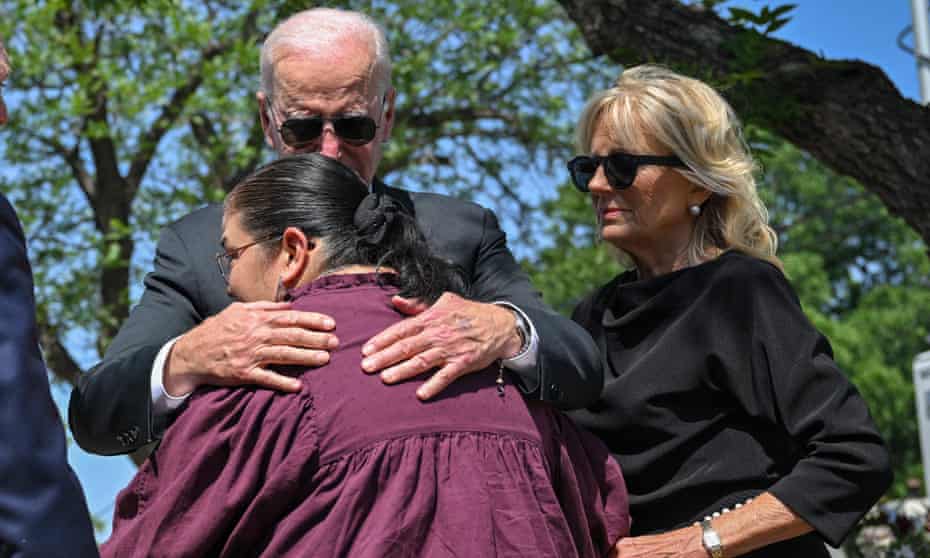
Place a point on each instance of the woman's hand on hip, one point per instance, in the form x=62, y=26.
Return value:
x=680, y=543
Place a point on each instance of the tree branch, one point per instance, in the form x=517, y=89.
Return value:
x=847, y=114
x=57, y=357
x=223, y=174
x=72, y=158
x=437, y=118
x=170, y=111
x=174, y=107
x=493, y=169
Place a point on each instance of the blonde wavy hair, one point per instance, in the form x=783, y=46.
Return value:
x=651, y=104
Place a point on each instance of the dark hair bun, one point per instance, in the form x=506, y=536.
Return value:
x=374, y=217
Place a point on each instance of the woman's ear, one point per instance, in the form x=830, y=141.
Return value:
x=296, y=247
x=698, y=195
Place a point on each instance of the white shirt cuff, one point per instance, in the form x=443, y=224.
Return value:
x=525, y=360
x=163, y=403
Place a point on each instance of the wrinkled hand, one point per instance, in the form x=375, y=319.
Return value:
x=681, y=543
x=236, y=346
x=455, y=335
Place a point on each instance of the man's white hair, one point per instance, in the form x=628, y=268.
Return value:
x=320, y=30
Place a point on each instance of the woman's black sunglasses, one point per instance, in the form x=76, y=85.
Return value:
x=619, y=167
x=354, y=130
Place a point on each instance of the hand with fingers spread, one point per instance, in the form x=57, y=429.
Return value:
x=455, y=335
x=237, y=346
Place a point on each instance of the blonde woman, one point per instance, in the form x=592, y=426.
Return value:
x=737, y=433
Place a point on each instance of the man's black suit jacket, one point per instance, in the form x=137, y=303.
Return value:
x=110, y=409
x=42, y=507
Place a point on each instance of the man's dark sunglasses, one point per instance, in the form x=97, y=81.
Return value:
x=619, y=167
x=354, y=130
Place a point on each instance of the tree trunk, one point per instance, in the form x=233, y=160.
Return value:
x=846, y=113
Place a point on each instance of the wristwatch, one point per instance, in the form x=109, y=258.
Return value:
x=711, y=540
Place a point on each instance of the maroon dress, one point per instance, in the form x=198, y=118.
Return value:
x=351, y=467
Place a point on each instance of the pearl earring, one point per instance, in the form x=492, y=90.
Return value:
x=694, y=210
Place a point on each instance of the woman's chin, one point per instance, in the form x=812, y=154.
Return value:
x=616, y=233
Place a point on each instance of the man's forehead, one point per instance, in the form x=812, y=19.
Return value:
x=306, y=83
x=347, y=62
x=328, y=102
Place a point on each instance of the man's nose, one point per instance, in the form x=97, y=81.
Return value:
x=330, y=144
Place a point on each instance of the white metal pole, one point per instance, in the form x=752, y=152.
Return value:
x=922, y=47
x=922, y=392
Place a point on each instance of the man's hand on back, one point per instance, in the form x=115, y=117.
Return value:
x=236, y=347
x=455, y=335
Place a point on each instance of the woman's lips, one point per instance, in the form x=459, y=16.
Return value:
x=612, y=212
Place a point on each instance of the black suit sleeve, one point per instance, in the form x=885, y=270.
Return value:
x=569, y=372
x=42, y=507
x=111, y=408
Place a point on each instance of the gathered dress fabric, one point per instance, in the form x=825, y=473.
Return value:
x=352, y=467
x=718, y=388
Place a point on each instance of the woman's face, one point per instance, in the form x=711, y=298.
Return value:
x=650, y=219
x=252, y=273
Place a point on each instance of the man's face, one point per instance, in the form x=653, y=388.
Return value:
x=4, y=73
x=328, y=85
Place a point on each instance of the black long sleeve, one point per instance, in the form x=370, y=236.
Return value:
x=718, y=388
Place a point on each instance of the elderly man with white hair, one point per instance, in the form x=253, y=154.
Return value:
x=326, y=87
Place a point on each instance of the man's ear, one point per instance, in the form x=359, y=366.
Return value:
x=263, y=114
x=297, y=248
x=387, y=119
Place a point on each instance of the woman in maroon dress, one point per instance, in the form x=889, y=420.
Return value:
x=349, y=466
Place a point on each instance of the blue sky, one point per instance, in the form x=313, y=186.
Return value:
x=852, y=29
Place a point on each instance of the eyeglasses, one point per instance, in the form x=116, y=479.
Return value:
x=619, y=167
x=224, y=259
x=356, y=130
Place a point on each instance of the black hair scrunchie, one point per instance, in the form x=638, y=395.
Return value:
x=374, y=216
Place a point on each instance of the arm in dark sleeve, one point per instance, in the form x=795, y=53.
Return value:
x=110, y=411
x=569, y=372
x=843, y=466
x=42, y=507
